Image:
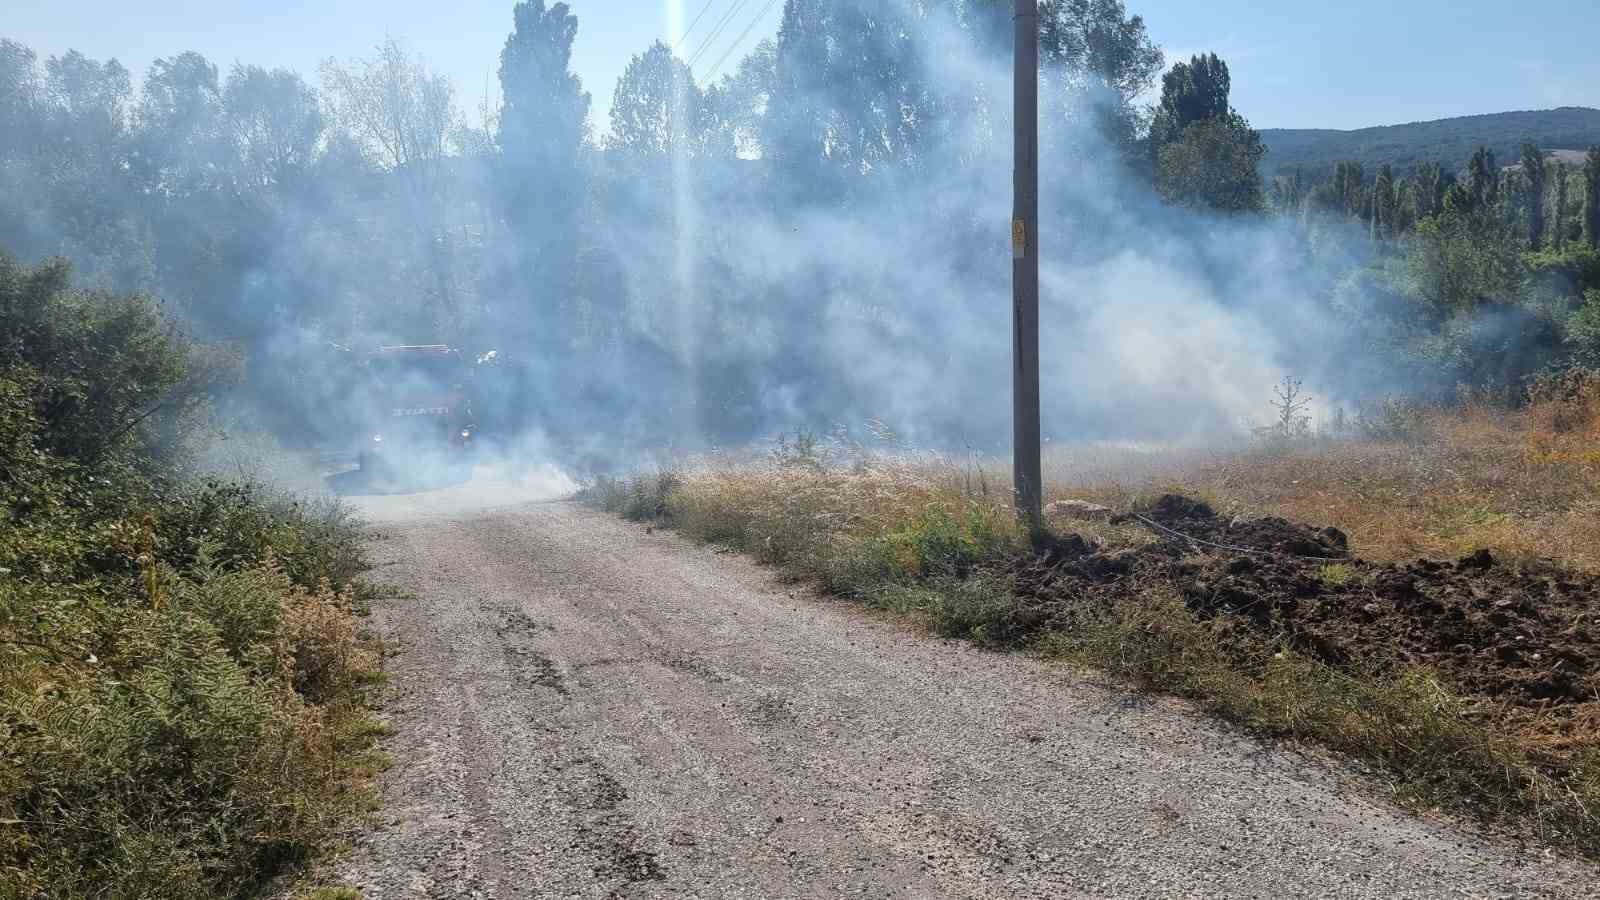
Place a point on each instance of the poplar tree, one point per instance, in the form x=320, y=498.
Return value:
x=543, y=127
x=1558, y=235
x=1383, y=204
x=1483, y=176
x=1533, y=181
x=1591, y=198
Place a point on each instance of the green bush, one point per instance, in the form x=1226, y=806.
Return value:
x=181, y=670
x=116, y=382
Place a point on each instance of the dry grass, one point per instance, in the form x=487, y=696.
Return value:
x=1471, y=478
x=929, y=536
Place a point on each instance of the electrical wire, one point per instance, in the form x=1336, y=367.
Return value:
x=690, y=30
x=716, y=32
x=717, y=66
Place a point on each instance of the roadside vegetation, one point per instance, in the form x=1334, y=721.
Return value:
x=182, y=669
x=1468, y=679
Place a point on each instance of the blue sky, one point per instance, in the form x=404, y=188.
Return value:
x=1392, y=62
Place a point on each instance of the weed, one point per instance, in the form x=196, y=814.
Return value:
x=1336, y=574
x=1291, y=402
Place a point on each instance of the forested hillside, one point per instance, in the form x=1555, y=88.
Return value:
x=1444, y=141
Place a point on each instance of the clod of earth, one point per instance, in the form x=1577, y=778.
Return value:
x=1519, y=636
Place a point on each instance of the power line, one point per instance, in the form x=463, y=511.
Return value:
x=716, y=32
x=717, y=66
x=690, y=30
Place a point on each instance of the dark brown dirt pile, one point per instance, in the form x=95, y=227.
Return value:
x=1517, y=634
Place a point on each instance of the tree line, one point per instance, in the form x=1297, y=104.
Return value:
x=283, y=214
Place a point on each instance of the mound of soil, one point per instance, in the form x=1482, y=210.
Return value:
x=1523, y=634
x=1196, y=521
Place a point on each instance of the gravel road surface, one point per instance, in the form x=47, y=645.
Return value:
x=584, y=708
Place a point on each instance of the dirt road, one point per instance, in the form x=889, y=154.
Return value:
x=586, y=709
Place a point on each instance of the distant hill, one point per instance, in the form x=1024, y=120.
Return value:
x=1448, y=142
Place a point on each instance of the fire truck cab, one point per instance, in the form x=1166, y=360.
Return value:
x=413, y=410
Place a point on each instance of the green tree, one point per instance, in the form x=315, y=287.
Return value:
x=21, y=102
x=273, y=120
x=1431, y=185
x=1383, y=203
x=1215, y=164
x=404, y=116
x=850, y=95
x=1591, y=198
x=1345, y=194
x=178, y=119
x=1094, y=47
x=1288, y=191
x=1457, y=261
x=1533, y=184
x=1558, y=225
x=738, y=105
x=658, y=109
x=88, y=105
x=542, y=179
x=1405, y=207
x=1191, y=92
x=1483, y=178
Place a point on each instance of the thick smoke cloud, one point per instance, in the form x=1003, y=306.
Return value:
x=893, y=304
x=716, y=300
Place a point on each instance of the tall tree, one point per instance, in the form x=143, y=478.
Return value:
x=1591, y=198
x=1431, y=185
x=1558, y=230
x=1191, y=92
x=1344, y=194
x=739, y=103
x=851, y=95
x=542, y=134
x=658, y=109
x=1405, y=207
x=1217, y=165
x=178, y=117
x=1382, y=216
x=1094, y=48
x=20, y=100
x=1533, y=182
x=1483, y=178
x=1213, y=165
x=795, y=131
x=88, y=108
x=404, y=115
x=273, y=121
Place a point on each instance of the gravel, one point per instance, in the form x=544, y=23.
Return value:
x=584, y=708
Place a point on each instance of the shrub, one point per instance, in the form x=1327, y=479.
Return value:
x=181, y=670
x=179, y=749
x=1392, y=419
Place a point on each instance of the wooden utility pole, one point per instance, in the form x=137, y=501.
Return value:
x=1025, y=268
